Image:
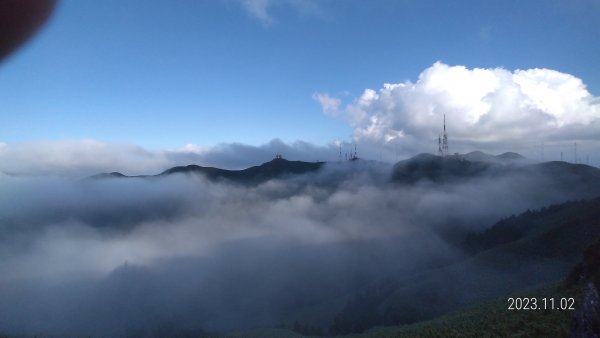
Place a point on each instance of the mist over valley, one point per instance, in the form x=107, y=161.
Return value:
x=212, y=250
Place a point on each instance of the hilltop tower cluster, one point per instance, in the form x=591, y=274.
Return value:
x=352, y=156
x=443, y=142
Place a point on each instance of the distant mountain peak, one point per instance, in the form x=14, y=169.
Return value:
x=510, y=155
x=435, y=168
x=504, y=158
x=114, y=174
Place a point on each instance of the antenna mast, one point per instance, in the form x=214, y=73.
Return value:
x=444, y=150
x=353, y=154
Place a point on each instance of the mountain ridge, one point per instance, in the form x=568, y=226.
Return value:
x=268, y=170
x=424, y=166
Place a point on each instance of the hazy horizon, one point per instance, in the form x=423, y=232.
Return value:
x=112, y=83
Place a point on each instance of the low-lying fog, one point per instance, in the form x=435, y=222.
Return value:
x=113, y=257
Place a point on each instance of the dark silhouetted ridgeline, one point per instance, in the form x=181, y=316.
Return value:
x=269, y=170
x=276, y=168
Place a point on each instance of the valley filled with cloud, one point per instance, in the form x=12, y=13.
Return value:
x=219, y=255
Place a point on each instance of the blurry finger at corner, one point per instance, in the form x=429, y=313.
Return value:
x=19, y=20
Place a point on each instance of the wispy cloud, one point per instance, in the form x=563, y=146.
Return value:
x=259, y=9
x=485, y=33
x=262, y=9
x=329, y=104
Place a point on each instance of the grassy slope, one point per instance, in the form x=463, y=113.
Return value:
x=563, y=234
x=265, y=333
x=560, y=235
x=545, y=256
x=490, y=319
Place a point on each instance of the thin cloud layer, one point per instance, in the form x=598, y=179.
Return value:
x=258, y=9
x=330, y=105
x=262, y=9
x=80, y=158
x=485, y=109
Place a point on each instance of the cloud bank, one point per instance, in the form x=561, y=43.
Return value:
x=490, y=109
x=80, y=158
x=154, y=257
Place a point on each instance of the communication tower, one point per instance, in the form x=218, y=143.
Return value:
x=354, y=155
x=443, y=142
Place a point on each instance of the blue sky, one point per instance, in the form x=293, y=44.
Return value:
x=163, y=74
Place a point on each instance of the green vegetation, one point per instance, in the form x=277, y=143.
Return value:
x=515, y=227
x=490, y=319
x=266, y=333
x=546, y=245
x=438, y=169
x=275, y=168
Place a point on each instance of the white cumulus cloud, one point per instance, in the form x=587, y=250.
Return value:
x=486, y=108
